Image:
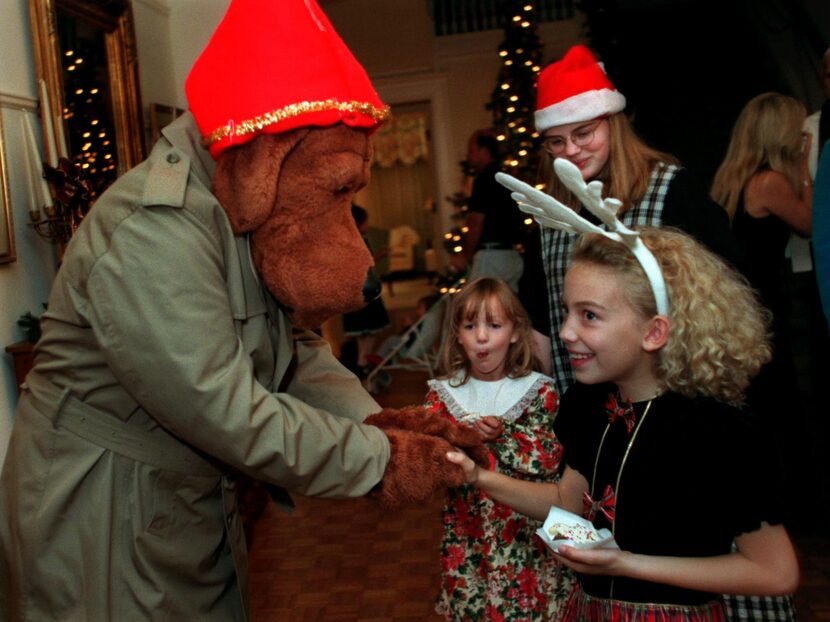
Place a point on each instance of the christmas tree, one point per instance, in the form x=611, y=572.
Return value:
x=512, y=101
x=512, y=105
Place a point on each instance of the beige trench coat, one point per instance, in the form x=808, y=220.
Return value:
x=164, y=369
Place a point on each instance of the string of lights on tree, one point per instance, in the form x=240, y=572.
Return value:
x=512, y=105
x=454, y=238
x=513, y=99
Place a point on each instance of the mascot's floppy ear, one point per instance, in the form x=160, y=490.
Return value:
x=246, y=178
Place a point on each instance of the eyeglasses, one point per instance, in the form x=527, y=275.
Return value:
x=581, y=137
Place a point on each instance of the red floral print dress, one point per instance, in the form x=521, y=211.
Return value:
x=494, y=567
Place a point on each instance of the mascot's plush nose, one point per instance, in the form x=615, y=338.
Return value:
x=371, y=286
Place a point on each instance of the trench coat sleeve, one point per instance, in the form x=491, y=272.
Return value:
x=321, y=380
x=157, y=301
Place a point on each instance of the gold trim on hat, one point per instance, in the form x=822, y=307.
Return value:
x=293, y=110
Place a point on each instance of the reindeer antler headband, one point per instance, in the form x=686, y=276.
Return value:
x=550, y=213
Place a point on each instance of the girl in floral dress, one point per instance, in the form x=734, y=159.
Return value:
x=494, y=567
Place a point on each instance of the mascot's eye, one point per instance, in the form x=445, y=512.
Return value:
x=346, y=190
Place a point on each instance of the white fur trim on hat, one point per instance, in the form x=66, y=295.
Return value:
x=582, y=107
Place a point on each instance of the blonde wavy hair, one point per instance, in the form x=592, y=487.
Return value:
x=766, y=134
x=485, y=295
x=719, y=335
x=626, y=174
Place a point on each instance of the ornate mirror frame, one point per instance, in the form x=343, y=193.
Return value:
x=114, y=19
x=7, y=253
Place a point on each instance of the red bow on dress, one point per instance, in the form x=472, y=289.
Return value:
x=622, y=408
x=607, y=504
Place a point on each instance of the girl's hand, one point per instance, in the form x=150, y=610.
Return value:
x=469, y=467
x=609, y=562
x=489, y=427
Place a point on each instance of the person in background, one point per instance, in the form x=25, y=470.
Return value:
x=764, y=186
x=579, y=114
x=412, y=343
x=493, y=566
x=653, y=415
x=533, y=294
x=818, y=123
x=814, y=287
x=365, y=324
x=821, y=230
x=493, y=222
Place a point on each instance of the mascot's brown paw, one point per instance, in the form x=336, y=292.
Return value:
x=419, y=419
x=418, y=467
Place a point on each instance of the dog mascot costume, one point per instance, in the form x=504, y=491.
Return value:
x=173, y=357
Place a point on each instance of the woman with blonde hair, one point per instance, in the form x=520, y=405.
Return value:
x=765, y=168
x=580, y=115
x=764, y=186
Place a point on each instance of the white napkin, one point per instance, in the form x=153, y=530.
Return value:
x=563, y=527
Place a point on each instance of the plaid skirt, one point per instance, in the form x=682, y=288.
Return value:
x=760, y=608
x=585, y=608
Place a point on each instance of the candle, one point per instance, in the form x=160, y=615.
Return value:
x=34, y=208
x=48, y=129
x=39, y=190
x=63, y=148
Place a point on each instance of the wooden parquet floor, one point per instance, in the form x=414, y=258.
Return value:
x=347, y=561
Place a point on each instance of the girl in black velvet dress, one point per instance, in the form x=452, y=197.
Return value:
x=655, y=445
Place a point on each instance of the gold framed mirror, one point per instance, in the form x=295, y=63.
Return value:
x=87, y=68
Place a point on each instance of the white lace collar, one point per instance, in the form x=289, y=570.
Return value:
x=507, y=398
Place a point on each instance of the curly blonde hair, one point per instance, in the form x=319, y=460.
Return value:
x=768, y=133
x=482, y=296
x=627, y=172
x=719, y=335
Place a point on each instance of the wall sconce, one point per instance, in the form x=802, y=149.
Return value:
x=73, y=196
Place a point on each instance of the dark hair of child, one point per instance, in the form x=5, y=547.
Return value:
x=489, y=296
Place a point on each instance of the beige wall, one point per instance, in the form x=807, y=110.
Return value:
x=153, y=39
x=24, y=283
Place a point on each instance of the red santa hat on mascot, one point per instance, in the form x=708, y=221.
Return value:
x=272, y=66
x=574, y=89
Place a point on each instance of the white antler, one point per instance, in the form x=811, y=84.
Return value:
x=547, y=211
x=550, y=213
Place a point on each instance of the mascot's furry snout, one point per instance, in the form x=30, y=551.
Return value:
x=371, y=286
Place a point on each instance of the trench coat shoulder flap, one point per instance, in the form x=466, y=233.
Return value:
x=167, y=179
x=171, y=176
